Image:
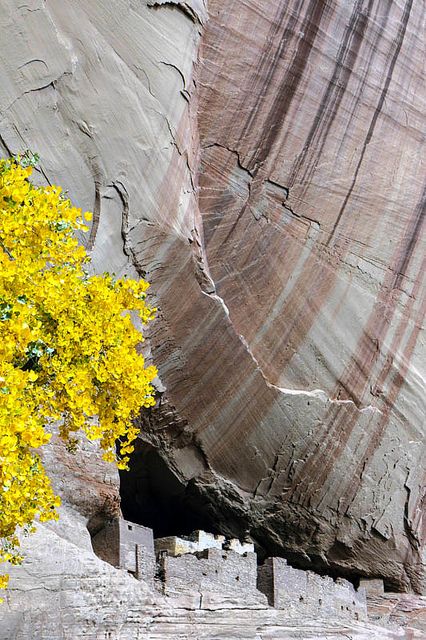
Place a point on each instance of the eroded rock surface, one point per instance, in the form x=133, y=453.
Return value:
x=263, y=168
x=298, y=366
x=64, y=592
x=399, y=609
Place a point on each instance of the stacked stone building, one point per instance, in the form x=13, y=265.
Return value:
x=210, y=568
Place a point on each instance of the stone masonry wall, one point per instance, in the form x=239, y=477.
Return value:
x=308, y=594
x=212, y=570
x=106, y=543
x=217, y=573
x=137, y=550
x=198, y=541
x=128, y=546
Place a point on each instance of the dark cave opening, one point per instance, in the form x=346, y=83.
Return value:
x=153, y=496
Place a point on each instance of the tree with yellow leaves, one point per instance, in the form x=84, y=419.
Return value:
x=67, y=349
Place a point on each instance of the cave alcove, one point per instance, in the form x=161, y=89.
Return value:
x=153, y=496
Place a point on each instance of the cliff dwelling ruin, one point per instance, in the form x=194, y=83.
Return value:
x=208, y=566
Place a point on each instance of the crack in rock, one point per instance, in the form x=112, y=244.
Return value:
x=195, y=10
x=315, y=393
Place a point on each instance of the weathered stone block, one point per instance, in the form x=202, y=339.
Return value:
x=306, y=593
x=240, y=547
x=129, y=546
x=197, y=541
x=212, y=570
x=372, y=586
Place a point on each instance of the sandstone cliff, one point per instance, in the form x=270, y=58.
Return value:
x=261, y=162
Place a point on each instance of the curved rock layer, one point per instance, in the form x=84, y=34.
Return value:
x=262, y=165
x=299, y=371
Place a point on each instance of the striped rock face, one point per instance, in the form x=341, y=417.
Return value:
x=292, y=348
x=261, y=164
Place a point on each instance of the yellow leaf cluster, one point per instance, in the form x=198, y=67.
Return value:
x=67, y=349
